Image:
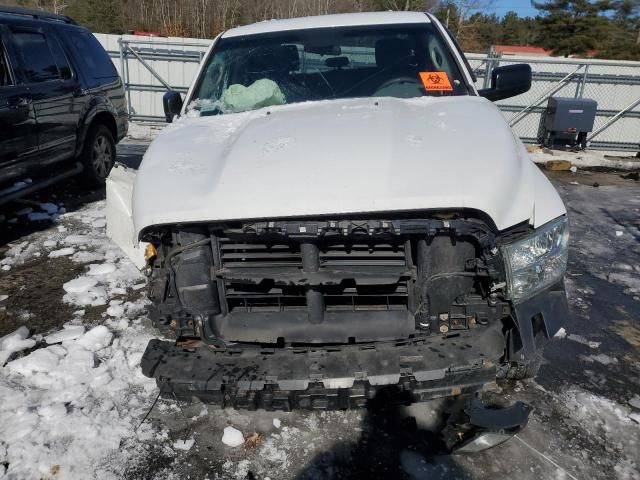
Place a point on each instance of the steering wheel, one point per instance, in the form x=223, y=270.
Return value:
x=397, y=82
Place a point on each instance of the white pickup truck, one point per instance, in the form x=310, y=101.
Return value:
x=336, y=213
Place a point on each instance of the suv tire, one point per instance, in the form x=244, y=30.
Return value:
x=98, y=155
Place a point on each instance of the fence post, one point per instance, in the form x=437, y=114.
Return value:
x=491, y=64
x=581, y=83
x=123, y=75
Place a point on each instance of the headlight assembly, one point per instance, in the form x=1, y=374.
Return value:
x=537, y=261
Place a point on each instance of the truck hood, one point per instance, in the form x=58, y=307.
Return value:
x=342, y=157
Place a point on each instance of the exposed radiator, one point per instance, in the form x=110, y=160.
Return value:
x=350, y=263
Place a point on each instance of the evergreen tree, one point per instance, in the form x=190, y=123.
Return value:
x=98, y=15
x=570, y=27
x=624, y=40
x=489, y=30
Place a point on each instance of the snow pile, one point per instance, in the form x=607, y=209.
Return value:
x=68, y=332
x=84, y=291
x=17, y=254
x=562, y=333
x=137, y=131
x=101, y=283
x=63, y=252
x=232, y=437
x=70, y=404
x=87, y=244
x=184, y=444
x=71, y=408
x=109, y=273
x=586, y=159
x=583, y=340
x=15, y=342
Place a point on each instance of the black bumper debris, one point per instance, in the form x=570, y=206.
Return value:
x=327, y=377
x=514, y=417
x=486, y=426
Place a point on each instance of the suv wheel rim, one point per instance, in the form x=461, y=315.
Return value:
x=101, y=156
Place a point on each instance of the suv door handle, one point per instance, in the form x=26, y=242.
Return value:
x=21, y=102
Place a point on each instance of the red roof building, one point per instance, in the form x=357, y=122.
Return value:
x=529, y=51
x=523, y=50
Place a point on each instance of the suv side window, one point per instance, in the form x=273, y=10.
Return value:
x=92, y=56
x=5, y=68
x=35, y=55
x=61, y=59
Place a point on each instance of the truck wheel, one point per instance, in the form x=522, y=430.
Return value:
x=98, y=155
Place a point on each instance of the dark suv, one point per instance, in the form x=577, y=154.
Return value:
x=62, y=103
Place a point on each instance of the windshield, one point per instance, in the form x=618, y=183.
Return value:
x=255, y=71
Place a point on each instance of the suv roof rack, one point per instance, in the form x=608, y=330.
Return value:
x=36, y=14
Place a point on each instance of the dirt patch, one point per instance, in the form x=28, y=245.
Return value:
x=35, y=295
x=629, y=332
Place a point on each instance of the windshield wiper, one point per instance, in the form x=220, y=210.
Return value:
x=333, y=92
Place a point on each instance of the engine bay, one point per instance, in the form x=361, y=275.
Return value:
x=327, y=281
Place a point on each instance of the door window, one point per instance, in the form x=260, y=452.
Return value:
x=5, y=69
x=61, y=59
x=35, y=55
x=96, y=61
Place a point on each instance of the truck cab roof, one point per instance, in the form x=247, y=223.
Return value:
x=327, y=21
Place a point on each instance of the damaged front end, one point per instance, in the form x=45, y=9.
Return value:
x=324, y=313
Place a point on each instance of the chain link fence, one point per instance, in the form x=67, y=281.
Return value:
x=614, y=85
x=150, y=66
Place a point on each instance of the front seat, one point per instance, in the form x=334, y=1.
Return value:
x=395, y=58
x=395, y=55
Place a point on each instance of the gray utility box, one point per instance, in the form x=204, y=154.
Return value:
x=569, y=119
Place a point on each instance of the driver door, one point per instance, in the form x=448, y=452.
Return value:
x=18, y=135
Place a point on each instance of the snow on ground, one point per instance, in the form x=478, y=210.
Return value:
x=15, y=342
x=603, y=418
x=139, y=131
x=71, y=400
x=78, y=394
x=586, y=159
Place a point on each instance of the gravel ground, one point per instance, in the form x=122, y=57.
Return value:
x=586, y=396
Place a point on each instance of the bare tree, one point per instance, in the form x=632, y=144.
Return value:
x=421, y=5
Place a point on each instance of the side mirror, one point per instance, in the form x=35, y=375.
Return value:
x=172, y=103
x=508, y=81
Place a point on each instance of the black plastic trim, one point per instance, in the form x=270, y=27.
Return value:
x=551, y=305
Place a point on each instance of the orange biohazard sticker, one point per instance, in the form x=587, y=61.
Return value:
x=436, y=81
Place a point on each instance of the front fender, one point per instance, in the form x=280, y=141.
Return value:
x=119, y=186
